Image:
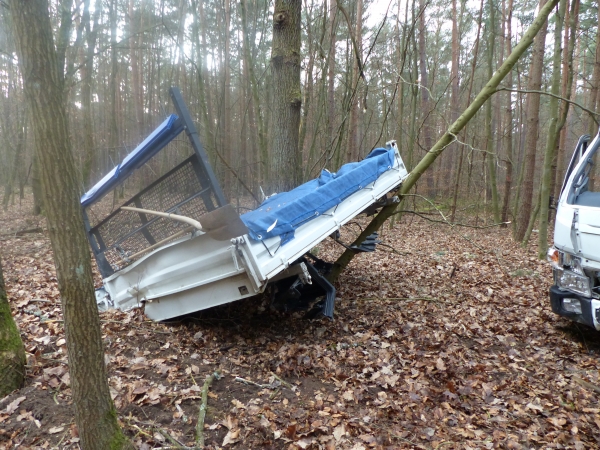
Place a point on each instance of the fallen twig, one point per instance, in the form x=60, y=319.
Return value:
x=282, y=381
x=29, y=230
x=172, y=440
x=586, y=384
x=202, y=409
x=252, y=383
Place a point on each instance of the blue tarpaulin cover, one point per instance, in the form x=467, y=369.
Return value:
x=282, y=213
x=160, y=137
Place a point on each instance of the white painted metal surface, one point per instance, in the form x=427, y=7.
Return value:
x=197, y=272
x=577, y=227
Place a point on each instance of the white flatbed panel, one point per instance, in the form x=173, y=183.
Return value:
x=198, y=298
x=197, y=272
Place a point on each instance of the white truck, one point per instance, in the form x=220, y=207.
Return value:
x=575, y=256
x=177, y=246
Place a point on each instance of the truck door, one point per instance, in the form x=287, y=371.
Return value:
x=582, y=194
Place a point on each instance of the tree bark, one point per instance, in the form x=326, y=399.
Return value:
x=591, y=127
x=491, y=153
x=357, y=86
x=567, y=92
x=533, y=122
x=553, y=133
x=488, y=90
x=331, y=72
x=256, y=108
x=464, y=132
x=87, y=69
x=508, y=118
x=287, y=98
x=12, y=352
x=454, y=96
x=425, y=100
x=95, y=413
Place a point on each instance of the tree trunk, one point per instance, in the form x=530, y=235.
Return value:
x=113, y=141
x=425, y=100
x=12, y=352
x=464, y=133
x=36, y=185
x=454, y=96
x=491, y=154
x=553, y=132
x=331, y=73
x=87, y=69
x=287, y=98
x=508, y=118
x=95, y=414
x=533, y=122
x=488, y=90
x=256, y=109
x=567, y=92
x=225, y=125
x=591, y=126
x=357, y=86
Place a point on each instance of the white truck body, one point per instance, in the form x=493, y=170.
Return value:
x=197, y=272
x=575, y=255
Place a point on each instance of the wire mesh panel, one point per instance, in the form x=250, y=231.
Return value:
x=123, y=233
x=190, y=189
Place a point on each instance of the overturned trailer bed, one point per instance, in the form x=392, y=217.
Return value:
x=177, y=247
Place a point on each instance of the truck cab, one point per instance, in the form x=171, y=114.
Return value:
x=575, y=256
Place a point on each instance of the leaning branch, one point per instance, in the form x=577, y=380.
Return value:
x=450, y=136
x=579, y=105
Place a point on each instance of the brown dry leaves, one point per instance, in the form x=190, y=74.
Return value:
x=448, y=343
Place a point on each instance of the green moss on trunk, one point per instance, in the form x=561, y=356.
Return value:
x=12, y=352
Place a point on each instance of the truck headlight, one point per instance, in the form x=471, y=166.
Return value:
x=574, y=282
x=571, y=305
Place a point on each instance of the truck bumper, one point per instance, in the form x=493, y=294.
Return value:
x=590, y=308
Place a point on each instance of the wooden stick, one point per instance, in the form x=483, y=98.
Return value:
x=202, y=412
x=586, y=384
x=177, y=217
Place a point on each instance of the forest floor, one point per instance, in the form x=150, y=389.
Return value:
x=444, y=338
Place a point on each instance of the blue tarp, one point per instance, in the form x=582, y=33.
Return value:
x=284, y=212
x=164, y=133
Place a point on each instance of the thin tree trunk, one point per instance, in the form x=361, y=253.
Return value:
x=553, y=133
x=508, y=118
x=86, y=89
x=287, y=98
x=225, y=126
x=464, y=133
x=491, y=154
x=331, y=72
x=533, y=121
x=354, y=135
x=95, y=413
x=454, y=96
x=567, y=91
x=256, y=106
x=425, y=100
x=591, y=126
